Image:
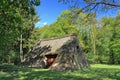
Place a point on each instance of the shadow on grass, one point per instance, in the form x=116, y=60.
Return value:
x=12, y=72
x=50, y=75
x=20, y=73
x=87, y=74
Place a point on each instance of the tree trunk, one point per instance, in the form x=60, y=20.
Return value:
x=93, y=39
x=9, y=59
x=21, y=50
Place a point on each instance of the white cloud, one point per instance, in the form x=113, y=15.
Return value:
x=39, y=24
x=45, y=23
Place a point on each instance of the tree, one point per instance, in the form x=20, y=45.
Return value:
x=16, y=18
x=108, y=46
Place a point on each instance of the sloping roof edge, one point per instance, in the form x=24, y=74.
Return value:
x=54, y=38
x=47, y=39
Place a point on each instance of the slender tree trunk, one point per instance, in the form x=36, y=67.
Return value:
x=21, y=50
x=9, y=59
x=93, y=40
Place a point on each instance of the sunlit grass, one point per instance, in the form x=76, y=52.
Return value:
x=105, y=66
x=96, y=72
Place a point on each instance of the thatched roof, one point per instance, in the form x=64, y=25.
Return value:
x=62, y=54
x=54, y=43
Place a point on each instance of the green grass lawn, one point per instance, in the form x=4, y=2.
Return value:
x=96, y=72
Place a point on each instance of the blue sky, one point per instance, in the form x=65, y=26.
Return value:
x=50, y=9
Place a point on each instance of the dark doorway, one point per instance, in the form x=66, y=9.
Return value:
x=50, y=59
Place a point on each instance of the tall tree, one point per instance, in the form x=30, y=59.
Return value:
x=16, y=19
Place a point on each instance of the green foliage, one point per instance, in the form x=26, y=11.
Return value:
x=16, y=17
x=110, y=39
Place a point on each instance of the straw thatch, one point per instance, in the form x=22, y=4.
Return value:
x=60, y=53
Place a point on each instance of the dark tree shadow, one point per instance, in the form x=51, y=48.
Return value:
x=20, y=73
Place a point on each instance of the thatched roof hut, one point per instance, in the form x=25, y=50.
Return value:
x=59, y=53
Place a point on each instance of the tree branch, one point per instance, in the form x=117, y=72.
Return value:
x=106, y=3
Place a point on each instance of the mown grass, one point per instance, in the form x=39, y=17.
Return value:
x=96, y=72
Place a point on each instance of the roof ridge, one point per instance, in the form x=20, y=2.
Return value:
x=53, y=38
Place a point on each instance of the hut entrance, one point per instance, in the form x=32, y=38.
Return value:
x=50, y=59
